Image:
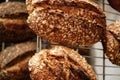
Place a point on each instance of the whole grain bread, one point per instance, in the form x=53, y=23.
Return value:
x=14, y=61
x=60, y=63
x=112, y=42
x=13, y=25
x=73, y=22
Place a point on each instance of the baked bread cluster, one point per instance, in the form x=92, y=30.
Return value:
x=112, y=42
x=14, y=61
x=60, y=63
x=13, y=25
x=73, y=22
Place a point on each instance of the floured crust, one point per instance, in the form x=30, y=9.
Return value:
x=60, y=63
x=112, y=44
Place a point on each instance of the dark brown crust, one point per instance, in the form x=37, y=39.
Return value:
x=14, y=61
x=10, y=53
x=72, y=22
x=85, y=4
x=13, y=23
x=115, y=4
x=12, y=30
x=60, y=63
x=19, y=71
x=66, y=28
x=112, y=44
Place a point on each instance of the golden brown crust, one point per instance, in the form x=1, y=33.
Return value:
x=112, y=49
x=60, y=63
x=114, y=28
x=112, y=44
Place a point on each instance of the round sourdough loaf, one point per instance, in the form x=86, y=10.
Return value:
x=60, y=63
x=73, y=22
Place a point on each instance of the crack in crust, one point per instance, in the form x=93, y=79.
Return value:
x=60, y=63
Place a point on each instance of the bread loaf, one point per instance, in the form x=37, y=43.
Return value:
x=13, y=23
x=112, y=44
x=60, y=63
x=14, y=61
x=73, y=22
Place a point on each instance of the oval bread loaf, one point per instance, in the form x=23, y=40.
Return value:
x=73, y=22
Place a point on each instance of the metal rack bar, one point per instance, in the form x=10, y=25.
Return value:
x=39, y=44
x=103, y=6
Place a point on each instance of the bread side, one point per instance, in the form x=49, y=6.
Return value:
x=13, y=23
x=111, y=44
x=14, y=61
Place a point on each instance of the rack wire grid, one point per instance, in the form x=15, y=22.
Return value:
x=96, y=58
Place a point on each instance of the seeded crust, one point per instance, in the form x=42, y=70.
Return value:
x=88, y=4
x=114, y=28
x=60, y=63
x=66, y=23
x=14, y=60
x=13, y=23
x=112, y=45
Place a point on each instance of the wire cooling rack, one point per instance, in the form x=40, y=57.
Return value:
x=96, y=58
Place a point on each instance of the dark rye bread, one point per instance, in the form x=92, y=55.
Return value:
x=14, y=61
x=60, y=63
x=13, y=25
x=112, y=42
x=73, y=22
